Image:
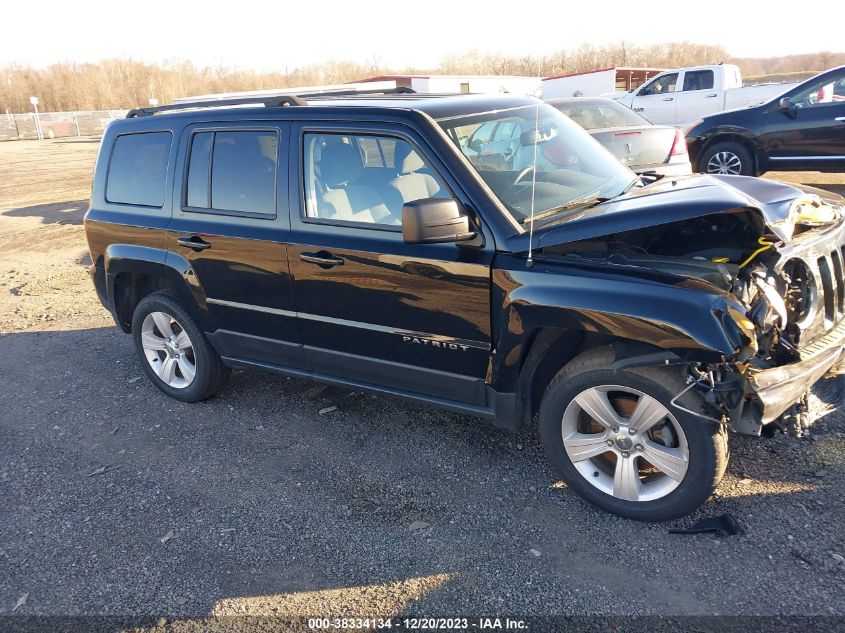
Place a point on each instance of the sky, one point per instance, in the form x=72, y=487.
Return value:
x=282, y=34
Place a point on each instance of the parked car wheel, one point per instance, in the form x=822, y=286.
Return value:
x=727, y=158
x=175, y=354
x=618, y=442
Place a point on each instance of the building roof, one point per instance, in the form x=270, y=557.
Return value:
x=437, y=76
x=437, y=106
x=389, y=78
x=618, y=69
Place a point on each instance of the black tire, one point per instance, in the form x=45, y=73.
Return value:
x=706, y=441
x=211, y=373
x=727, y=149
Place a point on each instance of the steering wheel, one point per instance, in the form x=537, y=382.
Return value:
x=522, y=174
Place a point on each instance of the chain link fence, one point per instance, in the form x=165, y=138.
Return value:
x=15, y=127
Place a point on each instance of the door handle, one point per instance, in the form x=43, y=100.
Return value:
x=710, y=96
x=323, y=259
x=193, y=242
x=668, y=98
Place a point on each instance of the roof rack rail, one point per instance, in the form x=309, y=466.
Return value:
x=275, y=101
x=268, y=102
x=352, y=92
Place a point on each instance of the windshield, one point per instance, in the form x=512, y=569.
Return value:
x=534, y=155
x=595, y=114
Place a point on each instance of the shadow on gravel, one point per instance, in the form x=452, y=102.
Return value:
x=286, y=497
x=70, y=212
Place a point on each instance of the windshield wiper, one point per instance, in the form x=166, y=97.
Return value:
x=636, y=181
x=586, y=201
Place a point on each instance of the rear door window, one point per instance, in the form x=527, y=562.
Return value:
x=698, y=80
x=138, y=169
x=233, y=171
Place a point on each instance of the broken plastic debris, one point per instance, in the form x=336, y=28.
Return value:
x=167, y=537
x=328, y=410
x=21, y=601
x=103, y=469
x=724, y=525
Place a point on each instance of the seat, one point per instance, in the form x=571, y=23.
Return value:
x=410, y=184
x=340, y=168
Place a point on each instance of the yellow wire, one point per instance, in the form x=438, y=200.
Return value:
x=766, y=245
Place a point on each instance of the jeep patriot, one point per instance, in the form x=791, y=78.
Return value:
x=361, y=241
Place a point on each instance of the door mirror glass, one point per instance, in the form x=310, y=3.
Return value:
x=433, y=220
x=784, y=104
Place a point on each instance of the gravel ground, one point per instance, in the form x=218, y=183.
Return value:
x=117, y=500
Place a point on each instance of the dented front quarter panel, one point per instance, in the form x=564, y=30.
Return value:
x=680, y=316
x=683, y=315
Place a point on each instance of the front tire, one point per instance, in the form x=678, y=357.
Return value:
x=727, y=158
x=174, y=353
x=619, y=443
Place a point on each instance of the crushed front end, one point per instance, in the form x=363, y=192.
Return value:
x=774, y=252
x=794, y=329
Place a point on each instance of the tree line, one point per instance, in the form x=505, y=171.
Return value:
x=126, y=83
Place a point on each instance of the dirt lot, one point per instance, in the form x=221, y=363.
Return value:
x=115, y=499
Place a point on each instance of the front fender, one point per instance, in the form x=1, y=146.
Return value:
x=683, y=318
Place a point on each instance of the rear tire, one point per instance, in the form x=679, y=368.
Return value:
x=727, y=158
x=608, y=461
x=174, y=353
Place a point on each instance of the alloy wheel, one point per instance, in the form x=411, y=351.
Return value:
x=724, y=163
x=625, y=443
x=168, y=349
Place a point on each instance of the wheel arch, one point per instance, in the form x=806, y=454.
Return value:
x=731, y=135
x=552, y=348
x=133, y=272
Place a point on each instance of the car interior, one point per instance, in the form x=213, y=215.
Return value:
x=365, y=178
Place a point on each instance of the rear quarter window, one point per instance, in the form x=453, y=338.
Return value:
x=138, y=169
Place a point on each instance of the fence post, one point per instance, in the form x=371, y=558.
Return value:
x=34, y=102
x=76, y=123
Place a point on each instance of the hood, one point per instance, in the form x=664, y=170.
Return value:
x=781, y=206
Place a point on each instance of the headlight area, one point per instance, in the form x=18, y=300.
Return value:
x=740, y=332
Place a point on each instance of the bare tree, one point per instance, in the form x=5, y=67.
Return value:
x=125, y=83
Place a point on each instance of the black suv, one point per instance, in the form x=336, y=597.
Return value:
x=360, y=241
x=802, y=129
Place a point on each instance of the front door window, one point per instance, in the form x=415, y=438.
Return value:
x=365, y=179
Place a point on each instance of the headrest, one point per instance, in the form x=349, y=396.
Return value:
x=340, y=164
x=409, y=161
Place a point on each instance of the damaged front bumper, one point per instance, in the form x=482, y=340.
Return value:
x=773, y=392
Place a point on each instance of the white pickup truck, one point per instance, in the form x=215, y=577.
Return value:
x=676, y=96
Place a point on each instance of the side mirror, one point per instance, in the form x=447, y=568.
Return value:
x=433, y=220
x=785, y=106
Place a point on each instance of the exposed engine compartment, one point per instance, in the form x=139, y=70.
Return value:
x=785, y=286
